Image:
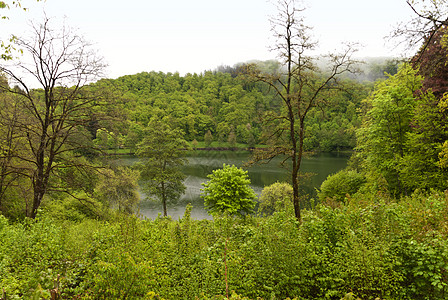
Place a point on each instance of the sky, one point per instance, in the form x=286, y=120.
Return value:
x=192, y=36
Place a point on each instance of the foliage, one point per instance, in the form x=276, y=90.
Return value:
x=402, y=136
x=337, y=186
x=382, y=139
x=8, y=48
x=443, y=155
x=334, y=128
x=118, y=188
x=228, y=192
x=369, y=248
x=216, y=106
x=85, y=243
x=194, y=103
x=276, y=197
x=431, y=63
x=161, y=152
x=420, y=167
x=106, y=139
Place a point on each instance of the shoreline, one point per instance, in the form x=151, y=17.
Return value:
x=233, y=149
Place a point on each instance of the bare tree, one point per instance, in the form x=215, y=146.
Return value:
x=300, y=86
x=429, y=17
x=53, y=117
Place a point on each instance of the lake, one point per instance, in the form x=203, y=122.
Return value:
x=202, y=163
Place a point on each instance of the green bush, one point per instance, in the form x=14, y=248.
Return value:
x=228, y=192
x=276, y=197
x=338, y=185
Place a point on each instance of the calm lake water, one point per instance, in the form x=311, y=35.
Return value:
x=202, y=163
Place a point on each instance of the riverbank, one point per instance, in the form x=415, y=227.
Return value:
x=222, y=147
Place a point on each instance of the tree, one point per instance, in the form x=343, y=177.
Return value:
x=382, y=138
x=228, y=192
x=53, y=118
x=431, y=63
x=118, y=188
x=443, y=156
x=420, y=167
x=429, y=17
x=103, y=139
x=231, y=139
x=10, y=145
x=208, y=138
x=161, y=152
x=300, y=86
x=402, y=135
x=428, y=30
x=276, y=197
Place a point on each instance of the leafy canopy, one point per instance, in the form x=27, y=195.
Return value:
x=228, y=192
x=162, y=155
x=382, y=139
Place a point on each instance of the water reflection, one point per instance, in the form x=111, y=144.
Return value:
x=202, y=163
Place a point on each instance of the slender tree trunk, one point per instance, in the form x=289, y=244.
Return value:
x=2, y=184
x=39, y=191
x=38, y=195
x=8, y=154
x=299, y=156
x=164, y=199
x=296, y=160
x=295, y=189
x=38, y=183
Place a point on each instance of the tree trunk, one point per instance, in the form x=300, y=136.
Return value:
x=295, y=189
x=41, y=174
x=38, y=176
x=164, y=199
x=297, y=161
x=39, y=191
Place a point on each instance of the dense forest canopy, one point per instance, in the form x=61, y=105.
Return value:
x=225, y=104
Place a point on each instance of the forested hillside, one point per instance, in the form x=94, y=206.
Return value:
x=225, y=104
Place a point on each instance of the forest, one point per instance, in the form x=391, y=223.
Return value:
x=378, y=229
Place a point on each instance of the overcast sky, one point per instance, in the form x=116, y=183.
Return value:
x=190, y=36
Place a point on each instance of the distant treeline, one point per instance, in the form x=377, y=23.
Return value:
x=223, y=106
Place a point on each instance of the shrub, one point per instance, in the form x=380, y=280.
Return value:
x=228, y=192
x=275, y=197
x=338, y=185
